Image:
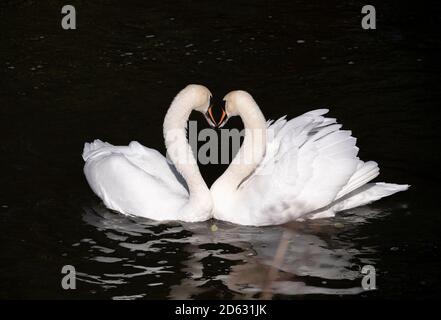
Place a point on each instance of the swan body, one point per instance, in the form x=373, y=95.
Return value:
x=304, y=168
x=137, y=180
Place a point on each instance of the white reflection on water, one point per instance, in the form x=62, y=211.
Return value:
x=319, y=257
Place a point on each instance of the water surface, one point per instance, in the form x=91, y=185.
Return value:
x=114, y=77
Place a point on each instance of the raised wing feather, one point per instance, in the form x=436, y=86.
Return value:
x=308, y=164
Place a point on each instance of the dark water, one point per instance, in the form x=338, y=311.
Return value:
x=114, y=77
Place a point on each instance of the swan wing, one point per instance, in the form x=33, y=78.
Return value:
x=308, y=163
x=133, y=179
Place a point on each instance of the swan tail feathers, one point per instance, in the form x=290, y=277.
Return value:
x=365, y=172
x=369, y=193
x=91, y=148
x=366, y=194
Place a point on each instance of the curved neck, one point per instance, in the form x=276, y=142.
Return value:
x=253, y=147
x=179, y=151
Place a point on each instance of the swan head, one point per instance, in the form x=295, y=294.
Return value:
x=200, y=95
x=235, y=101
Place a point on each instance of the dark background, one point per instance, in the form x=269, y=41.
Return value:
x=114, y=77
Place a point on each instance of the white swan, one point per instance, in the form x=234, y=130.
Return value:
x=302, y=168
x=137, y=180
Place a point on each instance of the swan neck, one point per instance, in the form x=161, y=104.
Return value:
x=253, y=147
x=179, y=150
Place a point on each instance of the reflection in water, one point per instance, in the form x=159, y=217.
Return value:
x=185, y=260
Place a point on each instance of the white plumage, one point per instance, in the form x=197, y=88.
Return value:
x=134, y=180
x=309, y=169
x=140, y=181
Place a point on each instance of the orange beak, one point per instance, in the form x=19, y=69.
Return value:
x=210, y=118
